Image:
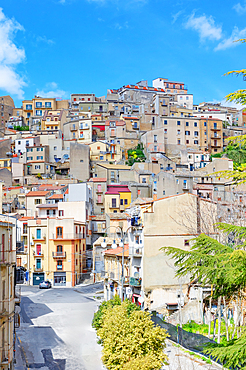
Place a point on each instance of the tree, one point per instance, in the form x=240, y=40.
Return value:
x=130, y=339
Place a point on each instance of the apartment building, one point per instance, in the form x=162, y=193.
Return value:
x=7, y=292
x=23, y=143
x=79, y=129
x=98, y=187
x=170, y=86
x=117, y=198
x=53, y=119
x=211, y=135
x=36, y=107
x=102, y=151
x=56, y=250
x=7, y=106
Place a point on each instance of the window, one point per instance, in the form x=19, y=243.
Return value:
x=186, y=243
x=187, y=132
x=47, y=104
x=29, y=158
x=47, y=119
x=38, y=249
x=195, y=124
x=59, y=265
x=155, y=138
x=59, y=232
x=38, y=233
x=24, y=228
x=165, y=122
x=178, y=123
x=101, y=157
x=205, y=124
x=37, y=201
x=38, y=263
x=28, y=115
x=187, y=123
x=40, y=157
x=113, y=202
x=19, y=142
x=38, y=113
x=126, y=201
x=37, y=167
x=196, y=133
x=155, y=148
x=165, y=130
x=38, y=104
x=47, y=212
x=179, y=142
x=144, y=180
x=28, y=106
x=99, y=199
x=178, y=132
x=187, y=141
x=121, y=202
x=55, y=147
x=61, y=213
x=196, y=142
x=215, y=125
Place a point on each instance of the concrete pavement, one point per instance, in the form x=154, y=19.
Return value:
x=56, y=332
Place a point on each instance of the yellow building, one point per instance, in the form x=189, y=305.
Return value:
x=5, y=163
x=37, y=107
x=117, y=198
x=7, y=296
x=53, y=120
x=56, y=249
x=101, y=151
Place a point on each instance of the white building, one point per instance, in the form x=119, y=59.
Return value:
x=22, y=144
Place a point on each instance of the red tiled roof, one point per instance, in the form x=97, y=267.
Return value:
x=118, y=251
x=50, y=187
x=25, y=218
x=56, y=196
x=116, y=189
x=98, y=179
x=37, y=193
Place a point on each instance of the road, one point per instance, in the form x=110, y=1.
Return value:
x=56, y=332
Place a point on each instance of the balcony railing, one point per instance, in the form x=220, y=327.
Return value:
x=68, y=236
x=59, y=255
x=135, y=282
x=38, y=269
x=7, y=257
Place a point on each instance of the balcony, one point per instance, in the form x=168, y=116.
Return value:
x=215, y=137
x=38, y=269
x=68, y=236
x=42, y=238
x=36, y=255
x=84, y=126
x=137, y=252
x=73, y=128
x=59, y=255
x=7, y=257
x=215, y=128
x=135, y=282
x=218, y=145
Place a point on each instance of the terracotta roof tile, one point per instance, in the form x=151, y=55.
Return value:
x=37, y=193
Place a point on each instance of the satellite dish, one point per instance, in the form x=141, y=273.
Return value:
x=136, y=275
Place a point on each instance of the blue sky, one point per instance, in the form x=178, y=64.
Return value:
x=58, y=47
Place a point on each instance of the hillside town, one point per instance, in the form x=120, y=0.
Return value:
x=92, y=188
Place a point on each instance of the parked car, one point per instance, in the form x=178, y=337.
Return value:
x=45, y=285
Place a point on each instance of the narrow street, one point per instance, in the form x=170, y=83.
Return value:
x=55, y=331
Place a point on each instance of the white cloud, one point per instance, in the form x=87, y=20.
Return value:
x=176, y=16
x=10, y=56
x=45, y=40
x=240, y=9
x=51, y=90
x=205, y=26
x=229, y=42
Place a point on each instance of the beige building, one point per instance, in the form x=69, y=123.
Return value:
x=7, y=293
x=53, y=119
x=171, y=221
x=211, y=135
x=34, y=198
x=7, y=106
